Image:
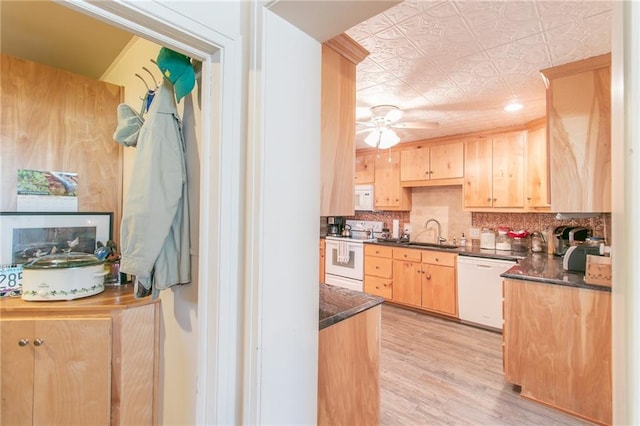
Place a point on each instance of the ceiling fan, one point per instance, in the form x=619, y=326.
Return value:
x=385, y=118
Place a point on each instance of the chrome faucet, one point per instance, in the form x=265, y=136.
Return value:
x=439, y=238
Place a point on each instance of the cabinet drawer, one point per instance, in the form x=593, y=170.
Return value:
x=378, y=266
x=439, y=258
x=379, y=286
x=376, y=250
x=412, y=255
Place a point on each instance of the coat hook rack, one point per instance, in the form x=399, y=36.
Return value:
x=152, y=76
x=143, y=80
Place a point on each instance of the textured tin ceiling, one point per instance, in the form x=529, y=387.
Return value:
x=459, y=62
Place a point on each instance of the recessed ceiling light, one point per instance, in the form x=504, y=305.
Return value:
x=513, y=106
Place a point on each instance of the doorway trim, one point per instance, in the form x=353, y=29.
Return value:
x=219, y=293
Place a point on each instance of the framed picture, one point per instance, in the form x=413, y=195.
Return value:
x=25, y=236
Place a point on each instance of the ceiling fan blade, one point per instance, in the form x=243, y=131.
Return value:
x=416, y=125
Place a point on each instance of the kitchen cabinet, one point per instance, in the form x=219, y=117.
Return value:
x=537, y=168
x=494, y=171
x=87, y=361
x=378, y=270
x=557, y=346
x=425, y=279
x=579, y=133
x=338, y=104
x=407, y=276
x=431, y=163
x=322, y=260
x=53, y=367
x=365, y=168
x=388, y=193
x=439, y=282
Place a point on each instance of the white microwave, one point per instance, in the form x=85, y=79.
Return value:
x=363, y=198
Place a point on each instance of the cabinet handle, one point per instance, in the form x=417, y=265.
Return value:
x=38, y=342
x=23, y=342
x=377, y=267
x=529, y=198
x=489, y=199
x=405, y=255
x=495, y=199
x=437, y=260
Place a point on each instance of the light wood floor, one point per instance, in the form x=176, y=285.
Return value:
x=439, y=372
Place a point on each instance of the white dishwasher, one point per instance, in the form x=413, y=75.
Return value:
x=480, y=290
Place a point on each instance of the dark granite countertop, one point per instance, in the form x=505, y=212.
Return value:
x=544, y=268
x=337, y=304
x=538, y=267
x=474, y=251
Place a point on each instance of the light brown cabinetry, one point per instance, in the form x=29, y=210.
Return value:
x=407, y=276
x=557, y=346
x=494, y=171
x=579, y=132
x=425, y=279
x=56, y=370
x=87, y=361
x=365, y=168
x=537, y=168
x=338, y=96
x=388, y=193
x=378, y=270
x=431, y=162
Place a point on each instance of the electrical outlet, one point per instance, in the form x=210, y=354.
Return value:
x=407, y=228
x=474, y=233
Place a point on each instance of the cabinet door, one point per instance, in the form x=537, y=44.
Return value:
x=446, y=161
x=414, y=164
x=379, y=286
x=477, y=173
x=508, y=170
x=16, y=365
x=439, y=289
x=387, y=180
x=365, y=168
x=537, y=180
x=72, y=374
x=407, y=287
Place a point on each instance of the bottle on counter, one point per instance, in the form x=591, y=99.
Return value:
x=463, y=241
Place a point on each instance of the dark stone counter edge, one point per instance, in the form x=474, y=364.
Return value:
x=338, y=304
x=574, y=283
x=470, y=252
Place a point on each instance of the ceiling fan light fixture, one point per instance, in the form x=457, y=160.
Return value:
x=372, y=138
x=388, y=138
x=513, y=106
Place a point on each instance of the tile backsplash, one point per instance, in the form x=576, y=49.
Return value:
x=445, y=205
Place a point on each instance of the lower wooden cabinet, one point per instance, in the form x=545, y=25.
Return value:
x=321, y=260
x=378, y=270
x=423, y=279
x=88, y=361
x=557, y=346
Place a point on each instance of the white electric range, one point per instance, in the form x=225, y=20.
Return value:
x=344, y=257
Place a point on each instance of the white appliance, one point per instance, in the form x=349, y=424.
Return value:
x=344, y=257
x=363, y=198
x=480, y=290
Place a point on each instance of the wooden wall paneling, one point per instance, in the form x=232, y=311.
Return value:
x=59, y=121
x=349, y=371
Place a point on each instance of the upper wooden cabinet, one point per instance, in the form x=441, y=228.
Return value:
x=494, y=171
x=431, y=162
x=536, y=184
x=579, y=132
x=337, y=154
x=365, y=168
x=388, y=193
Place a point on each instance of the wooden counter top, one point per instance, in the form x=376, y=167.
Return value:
x=112, y=298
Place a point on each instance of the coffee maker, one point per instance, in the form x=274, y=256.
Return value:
x=335, y=225
x=567, y=236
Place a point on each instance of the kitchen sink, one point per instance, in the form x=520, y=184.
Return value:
x=433, y=245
